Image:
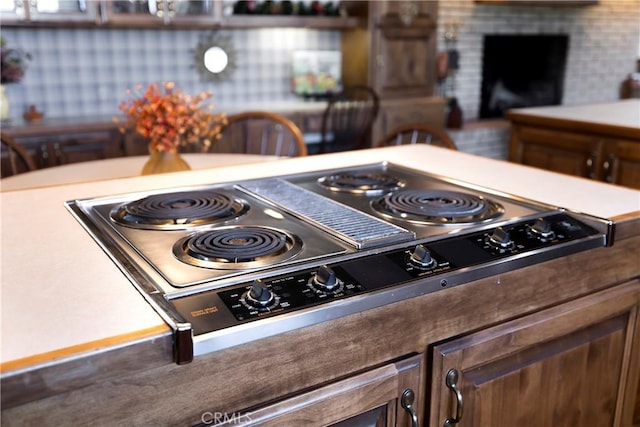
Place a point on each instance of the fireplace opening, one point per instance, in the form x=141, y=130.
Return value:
x=522, y=71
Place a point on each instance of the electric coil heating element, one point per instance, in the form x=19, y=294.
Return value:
x=217, y=261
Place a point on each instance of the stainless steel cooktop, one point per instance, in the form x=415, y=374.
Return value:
x=216, y=260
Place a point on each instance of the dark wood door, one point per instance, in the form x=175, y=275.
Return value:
x=403, y=48
x=373, y=398
x=571, y=365
x=557, y=151
x=621, y=163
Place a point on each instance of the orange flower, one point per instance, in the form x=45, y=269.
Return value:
x=169, y=118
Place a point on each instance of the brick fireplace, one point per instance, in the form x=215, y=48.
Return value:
x=602, y=50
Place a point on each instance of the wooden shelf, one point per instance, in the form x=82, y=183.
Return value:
x=562, y=3
x=266, y=21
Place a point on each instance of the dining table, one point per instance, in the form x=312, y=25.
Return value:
x=117, y=167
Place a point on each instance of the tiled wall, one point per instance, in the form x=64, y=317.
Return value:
x=79, y=72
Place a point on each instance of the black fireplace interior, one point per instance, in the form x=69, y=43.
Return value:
x=522, y=71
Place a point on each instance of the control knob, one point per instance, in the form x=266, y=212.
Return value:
x=421, y=256
x=500, y=239
x=259, y=295
x=542, y=230
x=325, y=279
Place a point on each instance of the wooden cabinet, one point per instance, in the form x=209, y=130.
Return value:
x=564, y=366
x=396, y=54
x=606, y=153
x=57, y=150
x=385, y=396
x=564, y=152
x=621, y=162
x=55, y=143
x=403, y=44
x=560, y=337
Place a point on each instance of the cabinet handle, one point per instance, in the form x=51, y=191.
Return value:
x=608, y=166
x=590, y=161
x=452, y=384
x=408, y=396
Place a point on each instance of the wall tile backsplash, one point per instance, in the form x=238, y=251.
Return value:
x=82, y=72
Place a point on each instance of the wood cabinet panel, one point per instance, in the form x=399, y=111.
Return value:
x=566, y=366
x=372, y=398
x=563, y=152
x=590, y=155
x=403, y=48
x=292, y=364
x=621, y=163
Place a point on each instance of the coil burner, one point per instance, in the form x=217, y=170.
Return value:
x=437, y=207
x=179, y=210
x=237, y=247
x=369, y=184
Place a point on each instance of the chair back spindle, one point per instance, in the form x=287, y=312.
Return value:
x=348, y=119
x=260, y=132
x=418, y=133
x=18, y=158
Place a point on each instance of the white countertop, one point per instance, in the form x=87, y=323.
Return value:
x=116, y=167
x=61, y=295
x=624, y=113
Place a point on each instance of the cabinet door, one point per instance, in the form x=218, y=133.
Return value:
x=556, y=151
x=369, y=399
x=571, y=365
x=403, y=48
x=622, y=163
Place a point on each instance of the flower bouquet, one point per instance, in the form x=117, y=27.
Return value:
x=13, y=63
x=168, y=118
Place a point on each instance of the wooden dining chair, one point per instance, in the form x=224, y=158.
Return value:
x=418, y=133
x=348, y=119
x=18, y=159
x=260, y=132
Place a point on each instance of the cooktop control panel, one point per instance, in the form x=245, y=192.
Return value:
x=217, y=309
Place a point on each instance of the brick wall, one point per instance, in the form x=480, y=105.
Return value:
x=603, y=49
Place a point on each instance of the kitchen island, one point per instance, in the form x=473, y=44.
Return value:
x=598, y=141
x=80, y=344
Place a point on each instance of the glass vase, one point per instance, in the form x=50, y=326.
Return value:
x=164, y=161
x=4, y=104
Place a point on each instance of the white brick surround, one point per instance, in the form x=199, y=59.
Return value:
x=603, y=49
